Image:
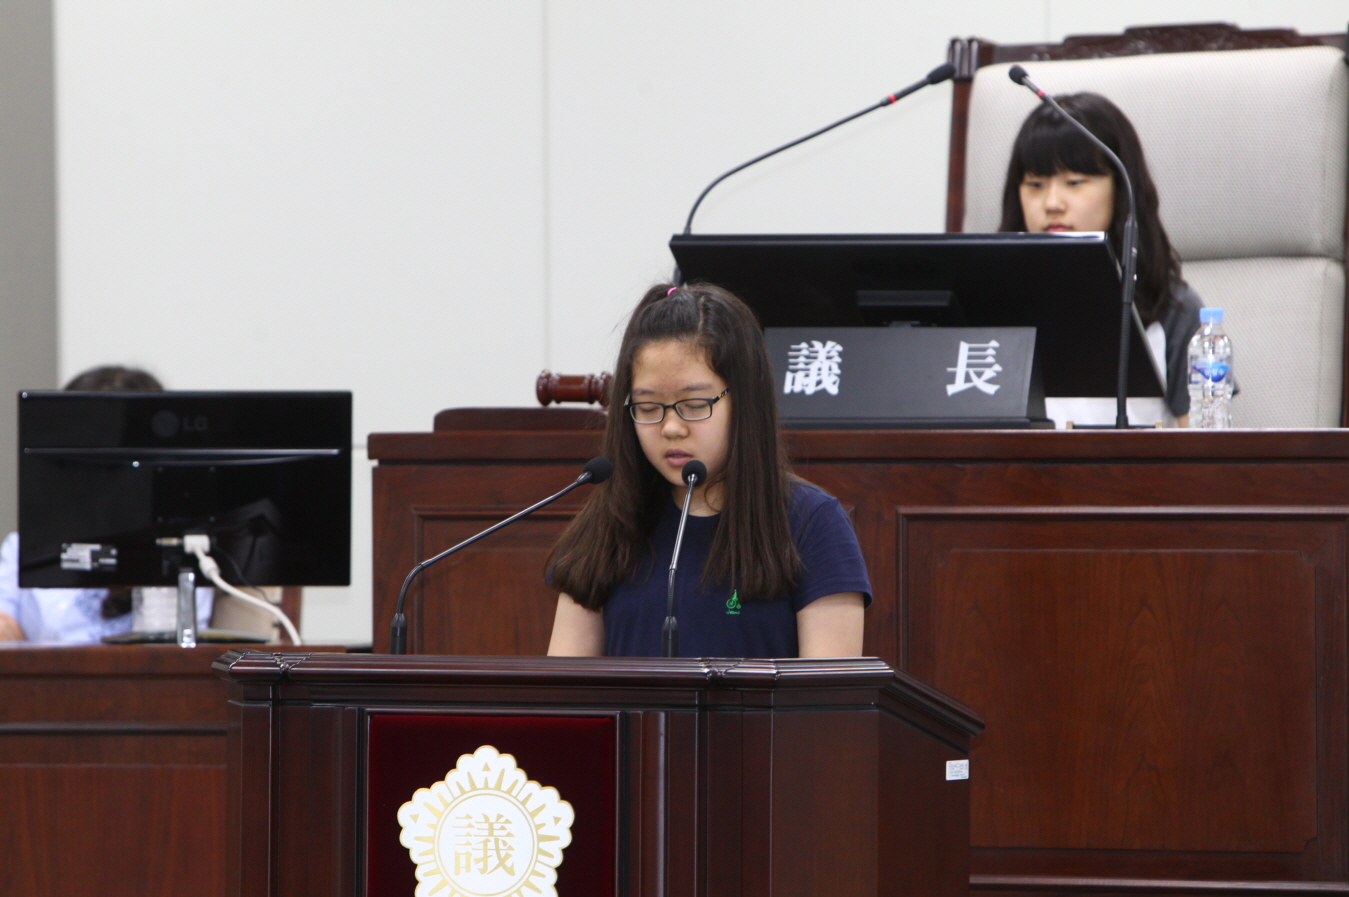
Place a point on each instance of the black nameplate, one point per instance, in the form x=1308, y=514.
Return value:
x=906, y=376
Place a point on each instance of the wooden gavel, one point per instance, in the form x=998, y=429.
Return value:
x=560, y=388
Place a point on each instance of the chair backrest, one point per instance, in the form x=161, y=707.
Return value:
x=1248, y=149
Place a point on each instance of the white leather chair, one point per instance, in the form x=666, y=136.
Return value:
x=1248, y=151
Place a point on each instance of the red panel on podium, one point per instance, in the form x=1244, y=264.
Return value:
x=574, y=754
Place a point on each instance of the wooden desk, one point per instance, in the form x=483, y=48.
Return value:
x=112, y=770
x=1152, y=624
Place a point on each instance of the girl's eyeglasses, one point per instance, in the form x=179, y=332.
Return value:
x=688, y=409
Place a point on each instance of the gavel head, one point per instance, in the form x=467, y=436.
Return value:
x=589, y=388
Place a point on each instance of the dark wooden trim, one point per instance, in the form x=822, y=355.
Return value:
x=466, y=449
x=1063, y=445
x=775, y=677
x=1042, y=884
x=456, y=419
x=292, y=602
x=78, y=662
x=502, y=445
x=1152, y=39
x=955, y=176
x=960, y=53
x=113, y=728
x=964, y=54
x=1094, y=511
x=1344, y=349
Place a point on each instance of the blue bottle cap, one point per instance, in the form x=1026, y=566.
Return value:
x=1210, y=315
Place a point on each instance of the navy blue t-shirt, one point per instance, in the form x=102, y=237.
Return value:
x=713, y=622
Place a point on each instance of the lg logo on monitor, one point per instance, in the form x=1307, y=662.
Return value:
x=167, y=424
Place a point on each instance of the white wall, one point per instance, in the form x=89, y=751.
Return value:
x=428, y=201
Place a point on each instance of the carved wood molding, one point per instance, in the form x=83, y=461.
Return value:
x=968, y=54
x=1047, y=884
x=1199, y=38
x=938, y=512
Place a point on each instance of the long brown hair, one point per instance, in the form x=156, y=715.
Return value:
x=1047, y=145
x=605, y=544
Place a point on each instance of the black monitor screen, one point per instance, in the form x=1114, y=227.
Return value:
x=108, y=480
x=1066, y=286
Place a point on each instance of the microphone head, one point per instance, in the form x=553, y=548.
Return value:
x=695, y=468
x=941, y=73
x=1018, y=74
x=600, y=469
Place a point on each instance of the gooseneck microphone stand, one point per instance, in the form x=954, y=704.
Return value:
x=936, y=76
x=1018, y=75
x=694, y=472
x=597, y=470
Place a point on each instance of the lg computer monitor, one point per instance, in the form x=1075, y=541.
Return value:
x=108, y=481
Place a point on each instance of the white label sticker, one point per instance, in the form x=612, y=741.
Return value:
x=957, y=769
x=88, y=556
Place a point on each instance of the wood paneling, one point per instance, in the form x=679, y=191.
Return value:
x=112, y=828
x=902, y=819
x=1174, y=657
x=1152, y=622
x=829, y=753
x=453, y=608
x=112, y=767
x=471, y=621
x=112, y=771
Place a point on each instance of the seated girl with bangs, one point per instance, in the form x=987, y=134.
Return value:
x=769, y=565
x=1058, y=181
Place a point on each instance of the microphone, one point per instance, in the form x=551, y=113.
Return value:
x=694, y=472
x=1130, y=248
x=597, y=470
x=936, y=76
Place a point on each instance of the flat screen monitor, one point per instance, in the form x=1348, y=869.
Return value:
x=1066, y=286
x=107, y=480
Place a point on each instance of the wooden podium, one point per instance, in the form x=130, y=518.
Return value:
x=686, y=777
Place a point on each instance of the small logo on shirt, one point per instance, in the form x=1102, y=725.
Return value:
x=733, y=603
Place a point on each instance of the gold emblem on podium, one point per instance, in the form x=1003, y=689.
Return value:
x=486, y=831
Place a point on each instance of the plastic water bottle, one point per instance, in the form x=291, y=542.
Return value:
x=1210, y=373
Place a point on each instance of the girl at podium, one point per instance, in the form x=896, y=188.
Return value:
x=1056, y=182
x=769, y=565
